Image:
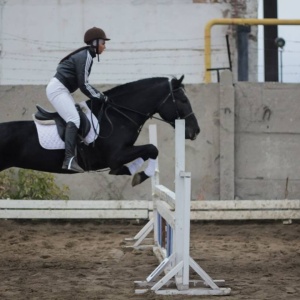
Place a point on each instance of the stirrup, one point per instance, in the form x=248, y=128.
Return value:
x=72, y=165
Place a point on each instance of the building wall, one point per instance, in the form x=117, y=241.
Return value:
x=148, y=37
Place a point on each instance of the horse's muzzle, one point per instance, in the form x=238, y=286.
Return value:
x=192, y=133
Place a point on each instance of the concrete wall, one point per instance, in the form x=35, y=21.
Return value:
x=148, y=37
x=267, y=141
x=248, y=147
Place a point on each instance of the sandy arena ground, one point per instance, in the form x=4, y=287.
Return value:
x=86, y=260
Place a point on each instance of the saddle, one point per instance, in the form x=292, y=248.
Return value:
x=44, y=115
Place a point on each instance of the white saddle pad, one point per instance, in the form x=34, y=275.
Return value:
x=48, y=135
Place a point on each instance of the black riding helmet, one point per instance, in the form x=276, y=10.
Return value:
x=93, y=34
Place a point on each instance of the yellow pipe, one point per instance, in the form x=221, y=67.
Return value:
x=211, y=23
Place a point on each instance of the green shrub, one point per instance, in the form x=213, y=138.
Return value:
x=29, y=184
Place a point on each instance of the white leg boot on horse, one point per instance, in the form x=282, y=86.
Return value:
x=70, y=162
x=142, y=176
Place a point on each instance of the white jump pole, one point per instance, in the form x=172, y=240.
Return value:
x=182, y=209
x=178, y=263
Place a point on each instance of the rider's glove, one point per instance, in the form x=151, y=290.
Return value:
x=103, y=98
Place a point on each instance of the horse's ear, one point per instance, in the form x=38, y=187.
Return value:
x=181, y=79
x=177, y=82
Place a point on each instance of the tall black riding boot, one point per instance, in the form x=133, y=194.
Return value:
x=70, y=162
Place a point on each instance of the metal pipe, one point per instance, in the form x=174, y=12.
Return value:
x=211, y=23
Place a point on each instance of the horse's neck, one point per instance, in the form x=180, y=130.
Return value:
x=145, y=97
x=137, y=101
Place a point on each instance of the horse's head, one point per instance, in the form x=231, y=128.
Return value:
x=177, y=106
x=139, y=100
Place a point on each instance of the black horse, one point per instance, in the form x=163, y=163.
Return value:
x=121, y=120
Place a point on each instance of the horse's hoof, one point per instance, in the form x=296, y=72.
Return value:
x=139, y=178
x=120, y=171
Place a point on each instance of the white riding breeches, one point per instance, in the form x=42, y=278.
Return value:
x=63, y=102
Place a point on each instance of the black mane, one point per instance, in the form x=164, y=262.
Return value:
x=133, y=86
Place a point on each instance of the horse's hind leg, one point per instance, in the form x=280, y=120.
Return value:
x=5, y=162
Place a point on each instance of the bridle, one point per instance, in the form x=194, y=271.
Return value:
x=174, y=102
x=118, y=108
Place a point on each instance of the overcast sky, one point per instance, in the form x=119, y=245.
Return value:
x=287, y=9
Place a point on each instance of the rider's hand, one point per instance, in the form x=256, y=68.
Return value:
x=103, y=98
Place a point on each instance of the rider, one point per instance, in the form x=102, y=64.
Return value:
x=72, y=73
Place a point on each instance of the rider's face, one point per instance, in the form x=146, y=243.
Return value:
x=101, y=46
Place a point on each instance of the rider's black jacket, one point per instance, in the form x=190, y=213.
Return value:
x=73, y=72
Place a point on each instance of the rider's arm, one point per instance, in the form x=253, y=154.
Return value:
x=83, y=69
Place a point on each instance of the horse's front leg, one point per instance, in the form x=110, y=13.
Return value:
x=130, y=169
x=134, y=156
x=143, y=175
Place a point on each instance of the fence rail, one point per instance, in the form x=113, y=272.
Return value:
x=142, y=209
x=74, y=209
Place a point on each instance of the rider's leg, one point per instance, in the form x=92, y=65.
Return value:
x=70, y=161
x=64, y=104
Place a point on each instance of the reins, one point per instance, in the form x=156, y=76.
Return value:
x=118, y=108
x=150, y=115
